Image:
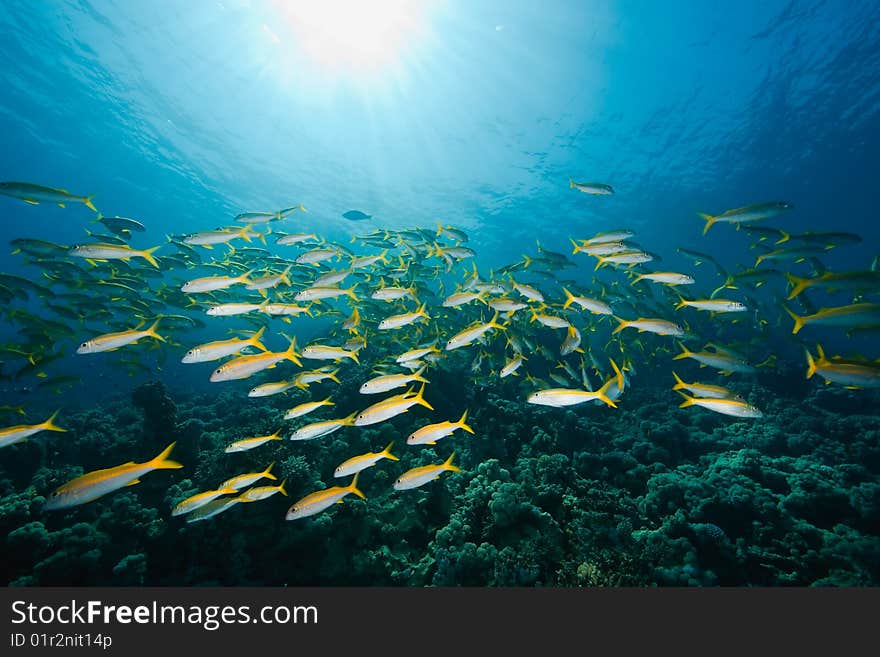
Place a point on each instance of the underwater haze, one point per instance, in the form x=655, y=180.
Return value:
x=426, y=293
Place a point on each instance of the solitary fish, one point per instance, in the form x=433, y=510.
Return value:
x=597, y=189
x=356, y=215
x=322, y=499
x=96, y=484
x=35, y=194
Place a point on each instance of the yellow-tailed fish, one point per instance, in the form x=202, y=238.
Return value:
x=746, y=214
x=322, y=428
x=559, y=397
x=271, y=388
x=658, y=326
x=244, y=480
x=112, y=252
x=213, y=283
x=666, y=278
x=849, y=373
x=213, y=508
x=405, y=319
x=200, y=499
x=326, y=352
x=306, y=408
x=21, y=432
x=713, y=305
x=430, y=434
x=468, y=335
x=357, y=463
x=96, y=484
x=250, y=443
x=855, y=314
x=511, y=366
x=245, y=366
x=593, y=305
x=35, y=194
x=416, y=354
x=322, y=499
x=702, y=389
x=391, y=407
x=594, y=188
x=262, y=492
x=221, y=348
x=423, y=474
x=728, y=406
x=391, y=381
x=113, y=341
x=720, y=360
x=317, y=293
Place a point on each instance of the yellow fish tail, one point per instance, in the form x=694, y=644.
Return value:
x=281, y=488
x=152, y=331
x=147, y=254
x=461, y=423
x=49, y=425
x=798, y=285
x=679, y=384
x=621, y=324
x=811, y=364
x=267, y=474
x=688, y=401
x=162, y=462
x=87, y=201
x=447, y=464
x=619, y=374
x=420, y=398
x=685, y=353
x=352, y=487
x=569, y=297
x=798, y=320
x=254, y=340
x=291, y=355
x=387, y=452
x=602, y=393
x=709, y=221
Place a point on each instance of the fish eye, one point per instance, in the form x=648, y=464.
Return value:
x=84, y=344
x=218, y=371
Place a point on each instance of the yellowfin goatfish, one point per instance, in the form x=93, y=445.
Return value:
x=262, y=492
x=713, y=305
x=18, y=433
x=855, y=314
x=323, y=428
x=35, y=194
x=112, y=252
x=295, y=238
x=96, y=484
x=511, y=366
x=232, y=309
x=864, y=280
x=728, y=406
x=212, y=283
x=719, y=359
x=702, y=389
x=210, y=237
x=628, y=258
x=388, y=382
x=271, y=388
x=405, y=319
x=201, y=499
x=666, y=278
x=423, y=474
x=317, y=293
x=849, y=373
x=391, y=407
x=306, y=408
x=243, y=480
x=430, y=434
x=468, y=335
x=250, y=443
x=746, y=214
x=558, y=397
x=593, y=305
x=322, y=499
x=326, y=352
x=245, y=366
x=658, y=326
x=460, y=298
x=415, y=354
x=598, y=189
x=222, y=348
x=112, y=341
x=213, y=508
x=357, y=463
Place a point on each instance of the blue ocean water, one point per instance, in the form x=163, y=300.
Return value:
x=183, y=115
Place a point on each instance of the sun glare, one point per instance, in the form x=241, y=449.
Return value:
x=354, y=34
